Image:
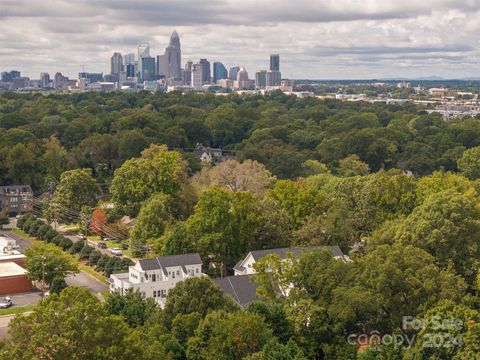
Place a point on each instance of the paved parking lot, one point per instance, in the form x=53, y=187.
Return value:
x=25, y=299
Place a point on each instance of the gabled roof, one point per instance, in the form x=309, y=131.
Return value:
x=163, y=262
x=241, y=288
x=282, y=252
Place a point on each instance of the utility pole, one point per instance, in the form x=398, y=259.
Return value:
x=43, y=277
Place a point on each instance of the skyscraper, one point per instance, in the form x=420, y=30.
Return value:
x=187, y=73
x=261, y=79
x=148, y=69
x=173, y=53
x=116, y=65
x=162, y=66
x=274, y=78
x=58, y=81
x=197, y=76
x=219, y=71
x=143, y=51
x=233, y=72
x=130, y=70
x=205, y=70
x=274, y=62
x=44, y=79
x=129, y=59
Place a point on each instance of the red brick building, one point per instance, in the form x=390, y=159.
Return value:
x=13, y=279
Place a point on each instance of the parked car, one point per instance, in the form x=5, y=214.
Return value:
x=102, y=245
x=5, y=302
x=116, y=251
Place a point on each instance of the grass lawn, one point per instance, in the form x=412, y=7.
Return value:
x=26, y=236
x=74, y=228
x=16, y=310
x=111, y=244
x=89, y=270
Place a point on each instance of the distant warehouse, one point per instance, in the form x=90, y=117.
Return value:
x=16, y=199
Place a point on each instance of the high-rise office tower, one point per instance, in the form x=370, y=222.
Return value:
x=232, y=75
x=219, y=71
x=58, y=81
x=197, y=76
x=162, y=66
x=130, y=70
x=148, y=69
x=116, y=65
x=261, y=79
x=274, y=62
x=44, y=79
x=274, y=78
x=128, y=59
x=173, y=54
x=187, y=73
x=205, y=70
x=143, y=51
x=15, y=74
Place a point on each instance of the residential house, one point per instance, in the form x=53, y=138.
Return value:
x=154, y=278
x=245, y=266
x=16, y=199
x=242, y=289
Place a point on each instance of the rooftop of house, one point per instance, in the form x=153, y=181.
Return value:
x=164, y=262
x=241, y=288
x=282, y=252
x=11, y=269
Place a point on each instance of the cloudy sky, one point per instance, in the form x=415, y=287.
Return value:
x=317, y=39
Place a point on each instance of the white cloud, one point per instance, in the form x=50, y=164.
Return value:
x=316, y=39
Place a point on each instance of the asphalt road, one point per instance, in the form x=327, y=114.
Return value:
x=81, y=279
x=23, y=243
x=76, y=238
x=4, y=321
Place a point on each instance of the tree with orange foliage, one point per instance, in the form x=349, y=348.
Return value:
x=99, y=220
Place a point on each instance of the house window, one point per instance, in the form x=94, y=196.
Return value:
x=154, y=277
x=196, y=270
x=163, y=294
x=154, y=293
x=178, y=272
x=173, y=275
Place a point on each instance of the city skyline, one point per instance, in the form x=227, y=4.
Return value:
x=317, y=39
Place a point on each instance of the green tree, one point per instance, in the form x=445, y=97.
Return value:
x=199, y=295
x=158, y=170
x=77, y=189
x=153, y=219
x=72, y=325
x=469, y=163
x=132, y=307
x=353, y=166
x=447, y=225
x=54, y=158
x=46, y=261
x=223, y=225
x=228, y=336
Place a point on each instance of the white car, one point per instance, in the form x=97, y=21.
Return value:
x=5, y=302
x=116, y=251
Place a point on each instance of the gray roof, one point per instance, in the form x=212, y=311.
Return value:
x=296, y=251
x=163, y=262
x=282, y=252
x=241, y=288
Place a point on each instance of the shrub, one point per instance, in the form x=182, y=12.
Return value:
x=102, y=262
x=57, y=239
x=85, y=252
x=57, y=285
x=76, y=247
x=42, y=231
x=65, y=243
x=95, y=255
x=50, y=235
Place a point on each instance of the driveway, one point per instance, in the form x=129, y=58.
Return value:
x=83, y=280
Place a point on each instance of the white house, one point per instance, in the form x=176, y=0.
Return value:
x=245, y=266
x=153, y=278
